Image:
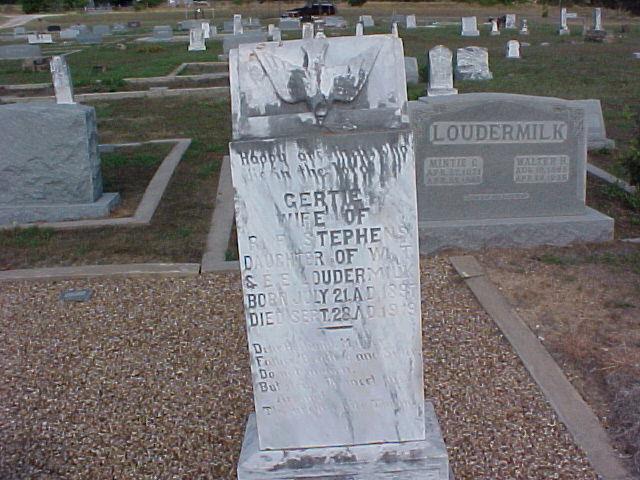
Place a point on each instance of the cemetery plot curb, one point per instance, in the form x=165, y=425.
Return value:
x=87, y=271
x=150, y=199
x=572, y=410
x=214, y=259
x=176, y=71
x=612, y=179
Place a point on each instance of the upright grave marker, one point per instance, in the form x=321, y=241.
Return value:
x=196, y=40
x=470, y=27
x=502, y=170
x=564, y=28
x=237, y=24
x=494, y=27
x=367, y=21
x=322, y=165
x=472, y=63
x=61, y=77
x=525, y=27
x=513, y=49
x=510, y=21
x=411, y=22
x=440, y=72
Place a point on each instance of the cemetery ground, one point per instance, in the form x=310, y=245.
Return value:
x=164, y=373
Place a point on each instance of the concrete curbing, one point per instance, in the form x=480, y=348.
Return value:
x=612, y=179
x=214, y=258
x=150, y=199
x=176, y=71
x=89, y=271
x=173, y=78
x=85, y=97
x=572, y=410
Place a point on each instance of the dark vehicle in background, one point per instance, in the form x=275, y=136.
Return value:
x=313, y=8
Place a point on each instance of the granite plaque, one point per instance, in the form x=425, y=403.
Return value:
x=495, y=155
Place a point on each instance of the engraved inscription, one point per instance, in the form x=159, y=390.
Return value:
x=440, y=171
x=461, y=133
x=479, y=197
x=541, y=169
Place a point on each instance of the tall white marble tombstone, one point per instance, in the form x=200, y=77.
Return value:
x=237, y=24
x=524, y=30
x=597, y=20
x=359, y=29
x=510, y=21
x=206, y=30
x=411, y=22
x=494, y=27
x=564, y=28
x=307, y=30
x=196, y=40
x=62, y=85
x=270, y=28
x=513, y=49
x=325, y=196
x=470, y=27
x=440, y=72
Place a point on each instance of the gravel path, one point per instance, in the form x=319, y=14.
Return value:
x=150, y=379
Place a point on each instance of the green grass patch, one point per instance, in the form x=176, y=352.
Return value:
x=21, y=238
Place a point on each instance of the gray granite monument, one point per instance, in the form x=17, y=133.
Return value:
x=230, y=42
x=440, y=72
x=323, y=170
x=502, y=170
x=162, y=33
x=289, y=24
x=472, y=63
x=50, y=166
x=596, y=130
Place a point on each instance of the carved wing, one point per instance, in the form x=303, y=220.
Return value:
x=289, y=81
x=347, y=80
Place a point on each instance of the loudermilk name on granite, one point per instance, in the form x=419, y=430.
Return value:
x=482, y=157
x=327, y=234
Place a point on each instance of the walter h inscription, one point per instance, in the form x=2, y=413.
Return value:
x=486, y=156
x=328, y=247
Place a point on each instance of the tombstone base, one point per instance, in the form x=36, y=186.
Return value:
x=21, y=214
x=471, y=33
x=439, y=92
x=592, y=226
x=564, y=31
x=384, y=461
x=197, y=49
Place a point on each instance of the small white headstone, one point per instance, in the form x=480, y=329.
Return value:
x=597, y=19
x=36, y=38
x=206, y=30
x=510, y=23
x=513, y=49
x=564, y=28
x=494, y=27
x=411, y=22
x=237, y=24
x=276, y=35
x=394, y=29
x=307, y=30
x=524, y=30
x=359, y=29
x=61, y=80
x=470, y=27
x=196, y=40
x=440, y=72
x=270, y=28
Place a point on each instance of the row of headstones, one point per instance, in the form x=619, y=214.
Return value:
x=470, y=26
x=596, y=25
x=472, y=64
x=80, y=33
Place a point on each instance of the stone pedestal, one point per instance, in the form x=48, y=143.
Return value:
x=419, y=460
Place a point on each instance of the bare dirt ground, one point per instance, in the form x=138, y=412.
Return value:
x=583, y=303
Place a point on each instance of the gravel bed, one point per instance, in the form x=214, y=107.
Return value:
x=150, y=379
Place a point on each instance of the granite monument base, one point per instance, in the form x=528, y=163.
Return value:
x=592, y=226
x=21, y=214
x=420, y=460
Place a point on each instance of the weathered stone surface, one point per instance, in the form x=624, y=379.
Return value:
x=266, y=104
x=367, y=21
x=134, y=24
x=287, y=24
x=597, y=20
x=440, y=72
x=472, y=63
x=54, y=176
x=510, y=23
x=162, y=32
x=335, y=22
x=564, y=28
x=69, y=34
x=490, y=155
x=61, y=77
x=62, y=166
x=101, y=30
x=307, y=31
x=323, y=170
x=234, y=41
x=238, y=27
x=470, y=27
x=594, y=121
x=196, y=40
x=37, y=38
x=494, y=27
x=419, y=460
x=206, y=29
x=513, y=49
x=276, y=35
x=411, y=70
x=16, y=52
x=79, y=295
x=411, y=22
x=359, y=29
x=187, y=25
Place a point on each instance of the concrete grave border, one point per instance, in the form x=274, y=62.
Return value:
x=150, y=199
x=571, y=409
